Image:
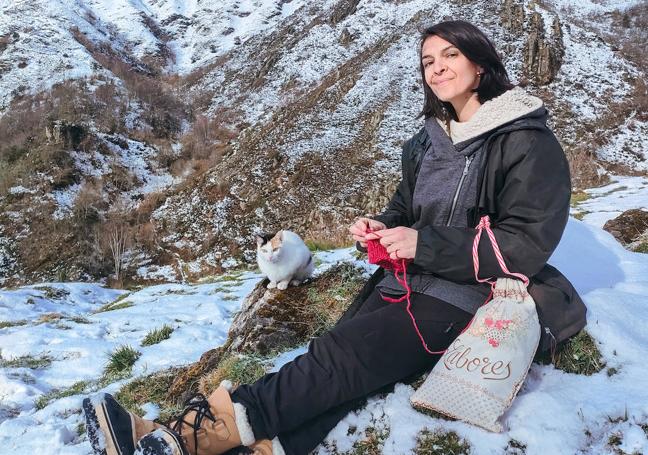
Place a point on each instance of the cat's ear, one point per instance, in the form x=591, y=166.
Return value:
x=260, y=240
x=279, y=236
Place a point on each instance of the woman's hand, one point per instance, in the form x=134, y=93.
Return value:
x=362, y=226
x=400, y=241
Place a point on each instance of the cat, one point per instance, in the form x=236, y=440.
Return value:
x=284, y=259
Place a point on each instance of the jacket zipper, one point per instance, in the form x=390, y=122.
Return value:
x=456, y=195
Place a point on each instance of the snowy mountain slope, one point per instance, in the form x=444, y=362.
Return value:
x=555, y=412
x=329, y=103
x=39, y=49
x=598, y=85
x=609, y=201
x=307, y=104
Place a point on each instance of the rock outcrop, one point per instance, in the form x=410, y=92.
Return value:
x=543, y=54
x=630, y=229
x=342, y=10
x=512, y=16
x=273, y=321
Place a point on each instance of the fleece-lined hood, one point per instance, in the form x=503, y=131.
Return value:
x=512, y=105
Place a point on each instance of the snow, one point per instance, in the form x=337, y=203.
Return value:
x=151, y=411
x=555, y=412
x=609, y=201
x=20, y=190
x=629, y=145
x=585, y=55
x=586, y=7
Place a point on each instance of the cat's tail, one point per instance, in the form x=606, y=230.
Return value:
x=307, y=270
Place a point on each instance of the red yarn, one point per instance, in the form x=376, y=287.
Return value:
x=378, y=255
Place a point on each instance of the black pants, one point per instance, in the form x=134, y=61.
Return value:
x=306, y=398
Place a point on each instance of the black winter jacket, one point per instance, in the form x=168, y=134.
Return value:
x=524, y=187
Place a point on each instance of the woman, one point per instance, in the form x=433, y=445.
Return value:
x=484, y=149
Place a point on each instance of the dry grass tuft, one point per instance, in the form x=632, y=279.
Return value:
x=240, y=369
x=579, y=355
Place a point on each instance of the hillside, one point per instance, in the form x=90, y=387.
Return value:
x=180, y=129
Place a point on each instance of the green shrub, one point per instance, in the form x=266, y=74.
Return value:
x=579, y=355
x=372, y=443
x=116, y=305
x=157, y=335
x=74, y=389
x=27, y=361
x=641, y=248
x=120, y=363
x=578, y=197
x=326, y=305
x=240, y=369
x=151, y=388
x=5, y=324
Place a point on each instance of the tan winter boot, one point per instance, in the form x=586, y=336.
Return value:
x=112, y=430
x=214, y=425
x=262, y=447
x=267, y=447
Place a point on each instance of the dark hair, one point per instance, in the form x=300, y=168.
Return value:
x=477, y=48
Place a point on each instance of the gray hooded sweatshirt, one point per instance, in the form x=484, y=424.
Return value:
x=446, y=186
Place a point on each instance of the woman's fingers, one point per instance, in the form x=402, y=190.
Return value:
x=359, y=228
x=400, y=242
x=376, y=225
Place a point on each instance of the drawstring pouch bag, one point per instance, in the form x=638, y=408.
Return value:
x=477, y=377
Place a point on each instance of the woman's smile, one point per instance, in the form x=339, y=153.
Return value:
x=442, y=82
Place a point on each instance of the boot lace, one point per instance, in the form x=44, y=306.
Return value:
x=197, y=403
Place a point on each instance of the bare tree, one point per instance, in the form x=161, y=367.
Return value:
x=118, y=237
x=114, y=238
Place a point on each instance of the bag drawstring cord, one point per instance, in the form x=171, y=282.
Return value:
x=378, y=255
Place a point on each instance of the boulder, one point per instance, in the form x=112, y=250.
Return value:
x=628, y=227
x=272, y=321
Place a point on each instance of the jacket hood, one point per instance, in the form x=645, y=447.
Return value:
x=513, y=105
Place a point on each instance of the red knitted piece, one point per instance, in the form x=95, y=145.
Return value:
x=378, y=255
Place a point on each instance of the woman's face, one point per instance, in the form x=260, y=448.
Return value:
x=449, y=74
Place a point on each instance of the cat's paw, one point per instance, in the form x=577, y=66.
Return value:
x=295, y=283
x=272, y=285
x=282, y=285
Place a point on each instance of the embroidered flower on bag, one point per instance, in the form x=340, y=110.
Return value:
x=502, y=323
x=498, y=324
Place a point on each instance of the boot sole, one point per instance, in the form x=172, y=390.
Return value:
x=177, y=441
x=172, y=439
x=98, y=428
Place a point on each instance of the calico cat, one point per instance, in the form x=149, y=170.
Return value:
x=284, y=259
